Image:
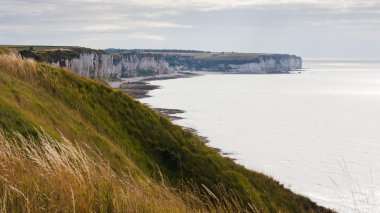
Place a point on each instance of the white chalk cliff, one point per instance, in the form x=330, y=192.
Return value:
x=269, y=65
x=109, y=66
x=103, y=66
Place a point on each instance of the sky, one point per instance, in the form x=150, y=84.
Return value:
x=308, y=28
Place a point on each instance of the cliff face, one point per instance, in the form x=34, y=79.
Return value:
x=133, y=65
x=269, y=65
x=112, y=63
x=104, y=66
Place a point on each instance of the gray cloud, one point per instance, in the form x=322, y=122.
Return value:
x=306, y=27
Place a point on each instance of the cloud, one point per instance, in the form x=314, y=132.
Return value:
x=147, y=37
x=125, y=37
x=238, y=25
x=166, y=7
x=206, y=5
x=130, y=25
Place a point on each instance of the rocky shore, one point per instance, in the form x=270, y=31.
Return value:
x=139, y=87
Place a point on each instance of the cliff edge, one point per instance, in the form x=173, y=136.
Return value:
x=120, y=63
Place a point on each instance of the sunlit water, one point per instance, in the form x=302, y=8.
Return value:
x=317, y=132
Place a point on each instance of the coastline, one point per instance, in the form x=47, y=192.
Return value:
x=139, y=87
x=320, y=201
x=117, y=84
x=171, y=114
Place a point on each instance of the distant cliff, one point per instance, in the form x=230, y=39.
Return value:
x=119, y=63
x=236, y=62
x=105, y=66
x=279, y=64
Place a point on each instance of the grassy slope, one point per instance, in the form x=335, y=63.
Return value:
x=38, y=47
x=46, y=175
x=128, y=133
x=51, y=54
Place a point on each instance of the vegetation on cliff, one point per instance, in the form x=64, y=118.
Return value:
x=74, y=143
x=52, y=54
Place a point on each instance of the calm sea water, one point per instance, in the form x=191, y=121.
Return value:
x=317, y=132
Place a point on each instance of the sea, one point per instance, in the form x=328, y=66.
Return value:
x=317, y=131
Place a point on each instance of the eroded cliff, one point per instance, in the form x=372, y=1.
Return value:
x=280, y=64
x=119, y=63
x=105, y=66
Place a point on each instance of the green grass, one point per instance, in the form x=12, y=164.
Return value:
x=213, y=56
x=128, y=134
x=37, y=47
x=50, y=54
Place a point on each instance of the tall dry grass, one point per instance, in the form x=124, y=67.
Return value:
x=12, y=63
x=46, y=175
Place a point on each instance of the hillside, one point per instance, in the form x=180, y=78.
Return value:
x=50, y=54
x=105, y=151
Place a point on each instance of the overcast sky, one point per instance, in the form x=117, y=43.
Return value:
x=309, y=28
